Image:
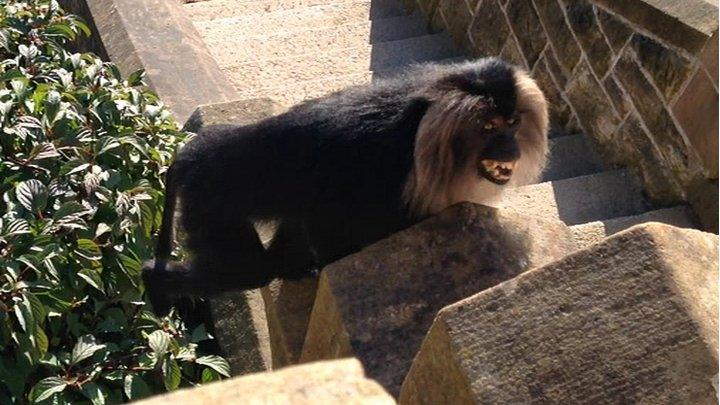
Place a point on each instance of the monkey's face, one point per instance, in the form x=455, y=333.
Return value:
x=496, y=148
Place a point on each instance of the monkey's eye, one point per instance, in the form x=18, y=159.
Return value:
x=512, y=121
x=489, y=126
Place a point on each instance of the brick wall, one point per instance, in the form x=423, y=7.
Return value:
x=639, y=76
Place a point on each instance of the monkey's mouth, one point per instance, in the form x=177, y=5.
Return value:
x=496, y=171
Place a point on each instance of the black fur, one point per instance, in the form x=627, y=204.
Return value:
x=331, y=169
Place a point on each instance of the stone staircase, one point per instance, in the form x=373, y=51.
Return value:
x=290, y=51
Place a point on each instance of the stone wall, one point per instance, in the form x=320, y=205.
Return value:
x=639, y=76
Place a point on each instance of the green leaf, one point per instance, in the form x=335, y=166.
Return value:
x=135, y=388
x=32, y=195
x=92, y=277
x=88, y=249
x=171, y=374
x=38, y=309
x=217, y=363
x=159, y=342
x=70, y=209
x=209, y=375
x=136, y=78
x=84, y=348
x=24, y=315
x=199, y=334
x=94, y=392
x=46, y=388
x=42, y=341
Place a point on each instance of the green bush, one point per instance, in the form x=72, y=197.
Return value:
x=82, y=154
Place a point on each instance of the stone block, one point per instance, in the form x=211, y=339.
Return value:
x=559, y=74
x=528, y=31
x=457, y=17
x=157, y=36
x=629, y=320
x=379, y=303
x=619, y=100
x=616, y=31
x=632, y=146
x=231, y=113
x=581, y=16
x=511, y=53
x=703, y=196
x=653, y=113
x=593, y=109
x=696, y=110
x=558, y=33
x=668, y=69
x=685, y=24
x=330, y=382
x=489, y=29
x=241, y=330
x=709, y=58
x=560, y=112
x=288, y=304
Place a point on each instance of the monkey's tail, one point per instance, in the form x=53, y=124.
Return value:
x=165, y=239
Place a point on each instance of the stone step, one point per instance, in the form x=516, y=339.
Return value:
x=578, y=200
x=293, y=20
x=630, y=320
x=594, y=232
x=295, y=69
x=572, y=156
x=237, y=49
x=308, y=89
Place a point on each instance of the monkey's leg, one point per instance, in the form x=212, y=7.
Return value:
x=223, y=259
x=290, y=252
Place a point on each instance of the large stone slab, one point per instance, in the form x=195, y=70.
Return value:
x=156, y=35
x=379, y=303
x=332, y=382
x=288, y=304
x=232, y=113
x=630, y=320
x=241, y=329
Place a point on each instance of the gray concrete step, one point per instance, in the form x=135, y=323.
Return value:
x=578, y=200
x=215, y=9
x=593, y=232
x=572, y=156
x=318, y=16
x=247, y=77
x=308, y=89
x=237, y=49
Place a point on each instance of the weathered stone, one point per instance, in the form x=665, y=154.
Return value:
x=653, y=113
x=560, y=112
x=489, y=29
x=528, y=31
x=288, y=304
x=457, y=16
x=241, y=331
x=697, y=113
x=616, y=31
x=511, y=53
x=582, y=20
x=619, y=100
x=557, y=71
x=703, y=196
x=709, y=58
x=329, y=382
x=668, y=69
x=379, y=303
x=155, y=35
x=686, y=24
x=592, y=107
x=629, y=320
x=238, y=112
x=631, y=145
x=558, y=33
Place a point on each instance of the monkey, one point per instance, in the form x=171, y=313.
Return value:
x=343, y=171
